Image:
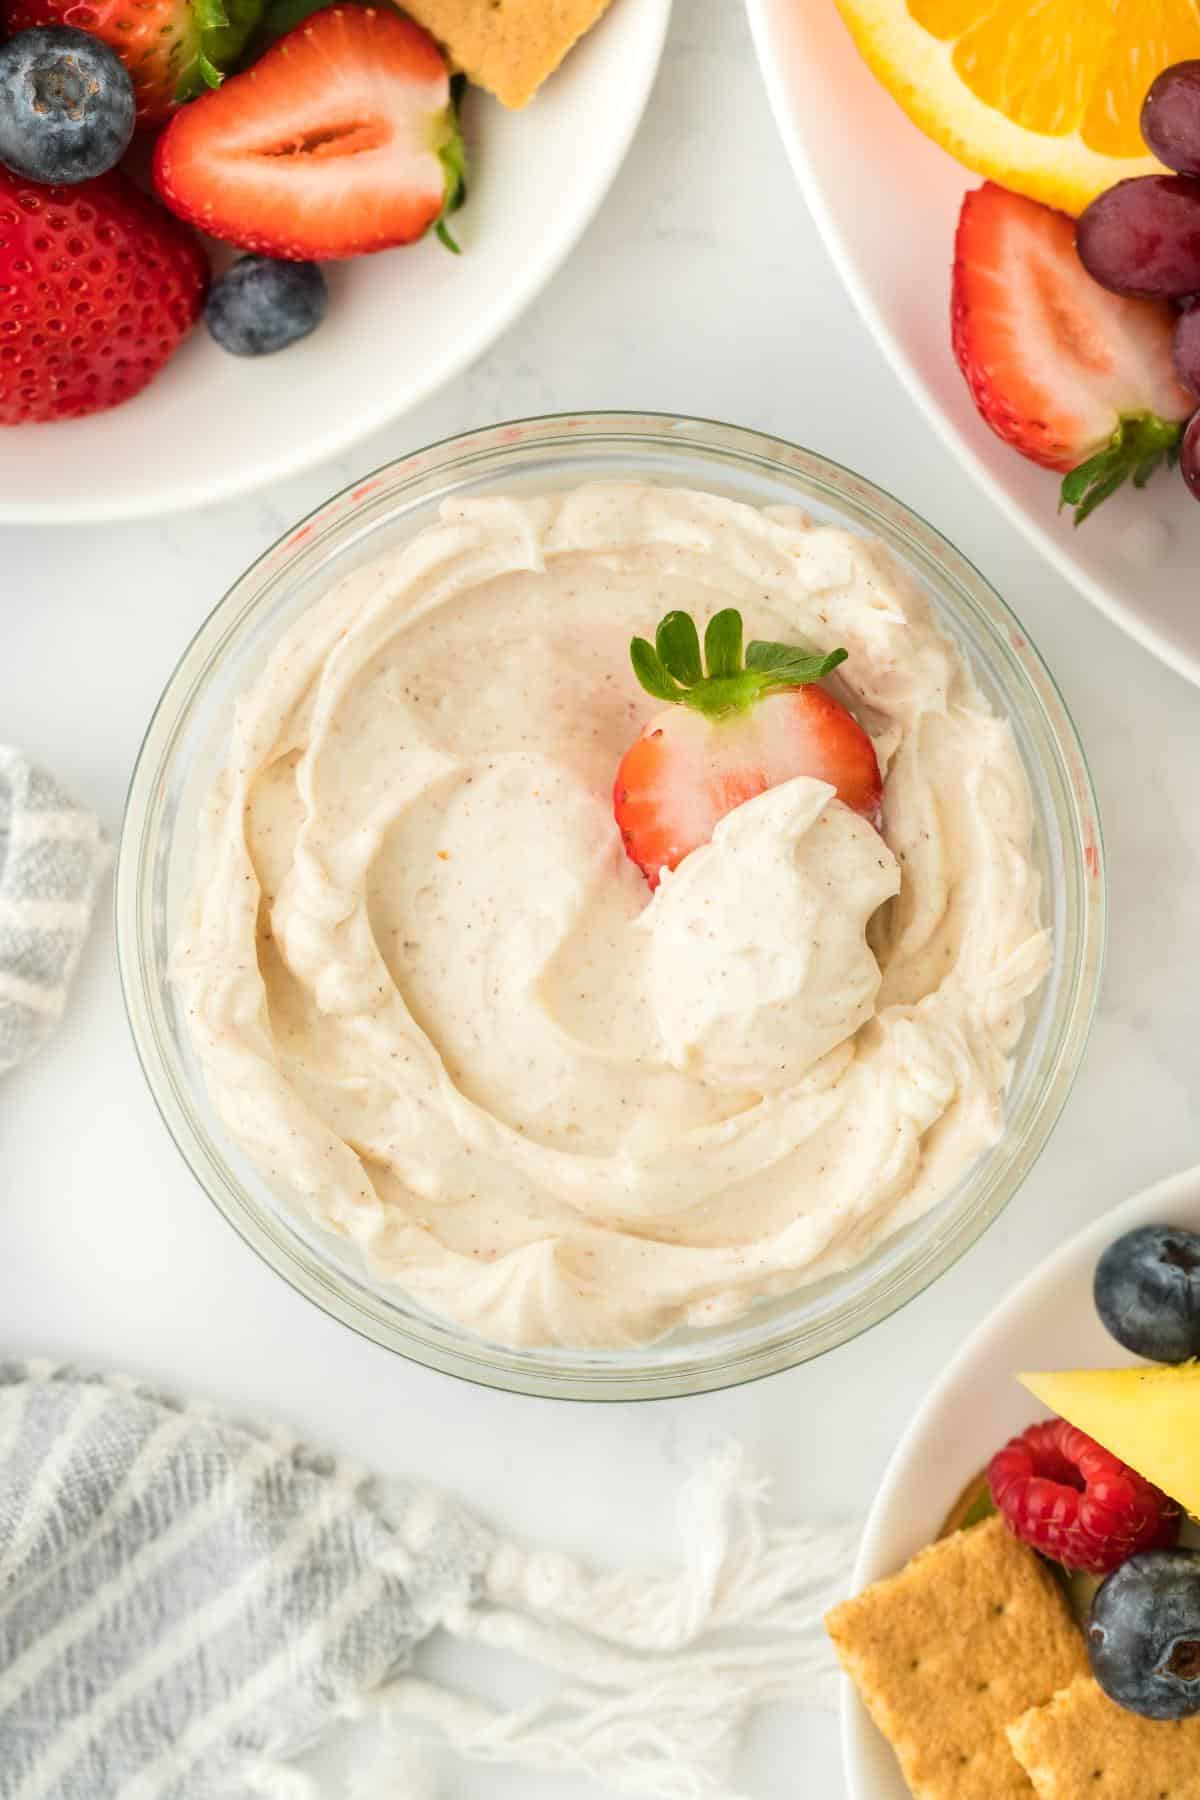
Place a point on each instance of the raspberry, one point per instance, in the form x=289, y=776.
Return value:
x=1058, y=1490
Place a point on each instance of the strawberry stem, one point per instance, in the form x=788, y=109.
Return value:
x=672, y=668
x=1141, y=443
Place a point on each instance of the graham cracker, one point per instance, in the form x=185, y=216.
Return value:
x=507, y=46
x=945, y=1655
x=1082, y=1744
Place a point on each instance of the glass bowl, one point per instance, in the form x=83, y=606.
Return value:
x=183, y=750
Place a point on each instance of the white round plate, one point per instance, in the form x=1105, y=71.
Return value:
x=886, y=200
x=399, y=325
x=1048, y=1322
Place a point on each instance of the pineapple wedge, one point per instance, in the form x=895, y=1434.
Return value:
x=1148, y=1416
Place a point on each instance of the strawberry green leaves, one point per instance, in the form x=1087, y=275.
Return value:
x=678, y=648
x=789, y=667
x=220, y=30
x=672, y=667
x=651, y=671
x=1138, y=446
x=723, y=644
x=452, y=153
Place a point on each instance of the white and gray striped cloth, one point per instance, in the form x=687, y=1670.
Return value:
x=185, y=1602
x=52, y=856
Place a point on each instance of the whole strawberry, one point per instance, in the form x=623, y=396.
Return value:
x=98, y=287
x=173, y=49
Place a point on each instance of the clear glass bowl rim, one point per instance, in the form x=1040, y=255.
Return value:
x=633, y=1375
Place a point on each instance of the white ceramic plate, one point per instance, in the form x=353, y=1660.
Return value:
x=886, y=201
x=400, y=324
x=1048, y=1322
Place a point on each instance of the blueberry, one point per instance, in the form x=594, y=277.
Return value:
x=1147, y=1292
x=66, y=105
x=262, y=305
x=1143, y=1634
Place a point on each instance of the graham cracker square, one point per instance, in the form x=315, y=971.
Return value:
x=1081, y=1746
x=945, y=1655
x=507, y=46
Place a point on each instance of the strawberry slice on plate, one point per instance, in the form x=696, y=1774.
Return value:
x=729, y=734
x=1072, y=376
x=342, y=139
x=173, y=49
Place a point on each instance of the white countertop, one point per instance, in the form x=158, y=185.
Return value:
x=700, y=288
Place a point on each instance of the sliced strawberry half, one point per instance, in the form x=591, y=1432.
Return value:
x=730, y=734
x=340, y=140
x=1072, y=376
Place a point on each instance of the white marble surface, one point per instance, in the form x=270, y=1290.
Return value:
x=702, y=288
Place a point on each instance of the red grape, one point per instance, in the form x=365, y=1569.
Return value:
x=1186, y=348
x=1142, y=237
x=1189, y=455
x=1171, y=117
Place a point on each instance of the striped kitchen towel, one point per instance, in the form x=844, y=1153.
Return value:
x=186, y=1601
x=52, y=856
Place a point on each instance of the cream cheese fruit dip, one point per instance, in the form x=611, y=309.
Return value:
x=436, y=1001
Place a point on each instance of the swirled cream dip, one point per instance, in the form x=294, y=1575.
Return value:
x=435, y=1001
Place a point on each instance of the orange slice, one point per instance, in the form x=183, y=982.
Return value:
x=1042, y=96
